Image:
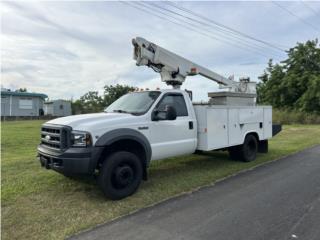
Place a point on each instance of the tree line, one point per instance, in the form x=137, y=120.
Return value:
x=92, y=102
x=293, y=84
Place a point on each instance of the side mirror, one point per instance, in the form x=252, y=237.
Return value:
x=169, y=113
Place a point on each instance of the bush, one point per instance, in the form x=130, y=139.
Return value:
x=285, y=116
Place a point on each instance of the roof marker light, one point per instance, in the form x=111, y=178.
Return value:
x=193, y=71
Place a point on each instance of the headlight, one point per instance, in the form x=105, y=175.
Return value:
x=80, y=139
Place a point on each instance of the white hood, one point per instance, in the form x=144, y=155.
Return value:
x=86, y=121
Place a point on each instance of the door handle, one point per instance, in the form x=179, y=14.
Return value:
x=190, y=125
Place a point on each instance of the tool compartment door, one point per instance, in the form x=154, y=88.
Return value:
x=250, y=115
x=234, y=131
x=217, y=128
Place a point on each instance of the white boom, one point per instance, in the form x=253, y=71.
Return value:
x=174, y=69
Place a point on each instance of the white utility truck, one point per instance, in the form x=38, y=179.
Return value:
x=118, y=144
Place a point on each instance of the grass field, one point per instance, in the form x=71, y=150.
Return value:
x=41, y=204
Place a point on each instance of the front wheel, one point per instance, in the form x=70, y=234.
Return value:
x=120, y=175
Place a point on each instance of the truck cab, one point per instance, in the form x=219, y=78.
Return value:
x=150, y=125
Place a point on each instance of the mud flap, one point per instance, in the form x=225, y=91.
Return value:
x=263, y=146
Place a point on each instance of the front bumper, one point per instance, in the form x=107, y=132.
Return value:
x=70, y=161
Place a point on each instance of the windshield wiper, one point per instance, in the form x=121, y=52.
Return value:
x=120, y=111
x=123, y=111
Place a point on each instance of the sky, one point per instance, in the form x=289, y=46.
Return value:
x=65, y=49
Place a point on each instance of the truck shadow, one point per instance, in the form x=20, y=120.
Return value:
x=191, y=164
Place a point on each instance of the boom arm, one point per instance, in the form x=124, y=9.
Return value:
x=174, y=69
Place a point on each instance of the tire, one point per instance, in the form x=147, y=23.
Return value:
x=248, y=150
x=120, y=175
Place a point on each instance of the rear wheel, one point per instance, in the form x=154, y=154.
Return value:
x=120, y=175
x=248, y=150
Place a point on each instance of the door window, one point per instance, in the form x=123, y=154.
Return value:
x=177, y=101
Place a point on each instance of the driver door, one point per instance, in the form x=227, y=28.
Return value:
x=173, y=137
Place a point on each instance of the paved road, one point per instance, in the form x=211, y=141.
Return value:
x=279, y=200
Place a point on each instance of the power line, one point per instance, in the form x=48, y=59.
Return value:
x=305, y=22
x=224, y=38
x=296, y=16
x=194, y=29
x=182, y=25
x=224, y=26
x=193, y=19
x=222, y=32
x=161, y=17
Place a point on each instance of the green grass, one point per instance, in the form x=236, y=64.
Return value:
x=41, y=204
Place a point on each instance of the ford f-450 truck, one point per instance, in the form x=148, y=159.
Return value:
x=118, y=144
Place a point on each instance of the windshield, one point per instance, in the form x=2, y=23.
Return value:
x=134, y=103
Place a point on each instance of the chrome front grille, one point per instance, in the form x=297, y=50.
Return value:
x=54, y=137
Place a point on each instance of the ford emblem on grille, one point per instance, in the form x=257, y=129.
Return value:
x=48, y=137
